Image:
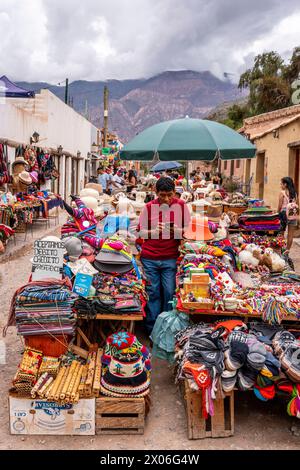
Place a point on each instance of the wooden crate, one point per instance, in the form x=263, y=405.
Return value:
x=120, y=415
x=219, y=425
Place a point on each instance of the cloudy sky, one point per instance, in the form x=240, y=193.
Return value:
x=48, y=40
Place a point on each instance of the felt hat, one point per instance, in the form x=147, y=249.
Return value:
x=114, y=256
x=198, y=229
x=51, y=238
x=92, y=203
x=19, y=160
x=73, y=247
x=216, y=197
x=96, y=186
x=126, y=207
x=34, y=176
x=89, y=192
x=199, y=206
x=25, y=178
x=214, y=212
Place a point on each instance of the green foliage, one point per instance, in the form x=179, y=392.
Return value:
x=269, y=89
x=269, y=82
x=292, y=70
x=231, y=184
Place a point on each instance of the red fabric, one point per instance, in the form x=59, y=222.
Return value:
x=267, y=392
x=150, y=217
x=229, y=324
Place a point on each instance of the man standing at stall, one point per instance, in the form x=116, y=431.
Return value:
x=161, y=226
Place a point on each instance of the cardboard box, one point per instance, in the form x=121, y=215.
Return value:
x=38, y=417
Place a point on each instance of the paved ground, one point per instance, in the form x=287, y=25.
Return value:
x=257, y=425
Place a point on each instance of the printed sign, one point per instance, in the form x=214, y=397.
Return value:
x=47, y=260
x=82, y=284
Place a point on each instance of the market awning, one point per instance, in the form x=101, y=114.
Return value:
x=9, y=89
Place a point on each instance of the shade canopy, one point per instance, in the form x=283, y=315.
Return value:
x=11, y=90
x=162, y=166
x=188, y=139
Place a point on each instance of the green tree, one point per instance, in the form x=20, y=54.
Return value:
x=268, y=88
x=292, y=70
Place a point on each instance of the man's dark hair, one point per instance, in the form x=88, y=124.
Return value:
x=165, y=184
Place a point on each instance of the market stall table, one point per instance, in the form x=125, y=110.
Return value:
x=121, y=321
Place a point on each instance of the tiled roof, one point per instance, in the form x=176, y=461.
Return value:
x=257, y=126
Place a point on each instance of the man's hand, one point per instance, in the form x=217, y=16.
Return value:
x=156, y=232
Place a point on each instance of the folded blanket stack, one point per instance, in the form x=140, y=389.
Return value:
x=44, y=309
x=260, y=222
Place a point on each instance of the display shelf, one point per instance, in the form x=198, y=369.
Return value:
x=231, y=313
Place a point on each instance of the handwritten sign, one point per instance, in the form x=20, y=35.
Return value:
x=47, y=260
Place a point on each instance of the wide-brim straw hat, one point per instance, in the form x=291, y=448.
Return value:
x=198, y=229
x=25, y=178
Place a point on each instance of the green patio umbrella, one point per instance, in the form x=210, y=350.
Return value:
x=188, y=139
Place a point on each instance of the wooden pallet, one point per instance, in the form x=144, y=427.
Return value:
x=120, y=415
x=219, y=425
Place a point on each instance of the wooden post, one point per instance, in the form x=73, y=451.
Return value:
x=105, y=102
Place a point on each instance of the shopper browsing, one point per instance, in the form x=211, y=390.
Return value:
x=288, y=209
x=161, y=226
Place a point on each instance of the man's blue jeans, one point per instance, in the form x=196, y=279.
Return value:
x=161, y=276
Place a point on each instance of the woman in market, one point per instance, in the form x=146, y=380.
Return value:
x=132, y=181
x=161, y=227
x=288, y=198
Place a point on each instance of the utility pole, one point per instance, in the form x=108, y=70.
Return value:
x=66, y=90
x=105, y=102
x=86, y=113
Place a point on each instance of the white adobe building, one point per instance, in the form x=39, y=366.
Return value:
x=63, y=132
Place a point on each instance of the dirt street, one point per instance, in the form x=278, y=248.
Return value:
x=258, y=425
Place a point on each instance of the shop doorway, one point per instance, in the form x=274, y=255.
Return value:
x=260, y=174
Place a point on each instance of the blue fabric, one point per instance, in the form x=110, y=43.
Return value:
x=161, y=277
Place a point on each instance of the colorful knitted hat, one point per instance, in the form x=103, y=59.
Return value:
x=121, y=340
x=126, y=375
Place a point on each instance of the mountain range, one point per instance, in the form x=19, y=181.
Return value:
x=137, y=104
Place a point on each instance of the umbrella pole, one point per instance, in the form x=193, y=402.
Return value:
x=187, y=176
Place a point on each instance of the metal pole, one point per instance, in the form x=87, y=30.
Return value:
x=187, y=176
x=105, y=101
x=66, y=90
